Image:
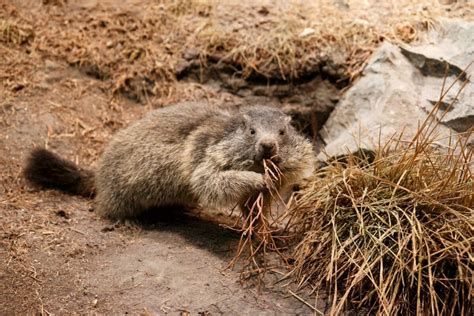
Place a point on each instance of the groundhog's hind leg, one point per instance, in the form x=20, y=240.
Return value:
x=117, y=206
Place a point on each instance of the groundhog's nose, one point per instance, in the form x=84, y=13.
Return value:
x=268, y=149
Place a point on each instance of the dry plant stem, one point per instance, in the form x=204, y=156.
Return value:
x=306, y=303
x=257, y=234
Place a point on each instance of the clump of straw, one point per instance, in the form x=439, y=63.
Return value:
x=393, y=235
x=257, y=232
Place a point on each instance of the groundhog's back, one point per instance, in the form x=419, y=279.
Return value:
x=146, y=157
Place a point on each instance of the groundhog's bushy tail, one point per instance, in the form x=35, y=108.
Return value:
x=47, y=170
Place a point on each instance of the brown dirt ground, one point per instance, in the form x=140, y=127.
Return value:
x=57, y=90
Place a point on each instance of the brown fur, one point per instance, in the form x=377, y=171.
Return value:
x=186, y=154
x=47, y=170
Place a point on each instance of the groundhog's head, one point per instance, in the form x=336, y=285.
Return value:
x=267, y=129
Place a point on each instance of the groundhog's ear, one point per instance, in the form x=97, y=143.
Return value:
x=287, y=119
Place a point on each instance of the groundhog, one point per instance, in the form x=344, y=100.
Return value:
x=188, y=154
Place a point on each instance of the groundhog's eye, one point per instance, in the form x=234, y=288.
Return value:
x=252, y=131
x=282, y=132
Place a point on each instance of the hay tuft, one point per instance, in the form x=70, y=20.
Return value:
x=393, y=233
x=258, y=232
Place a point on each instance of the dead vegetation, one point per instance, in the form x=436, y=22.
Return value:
x=141, y=52
x=392, y=235
x=257, y=230
x=292, y=40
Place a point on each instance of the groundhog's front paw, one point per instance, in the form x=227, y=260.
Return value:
x=256, y=180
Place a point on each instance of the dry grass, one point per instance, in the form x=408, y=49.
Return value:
x=258, y=232
x=141, y=51
x=122, y=47
x=393, y=235
x=292, y=40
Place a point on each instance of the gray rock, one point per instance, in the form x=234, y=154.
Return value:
x=400, y=87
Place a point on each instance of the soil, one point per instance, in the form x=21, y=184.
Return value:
x=57, y=255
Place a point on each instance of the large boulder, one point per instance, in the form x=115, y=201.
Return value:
x=400, y=87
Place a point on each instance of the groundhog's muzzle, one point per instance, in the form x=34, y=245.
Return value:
x=267, y=150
